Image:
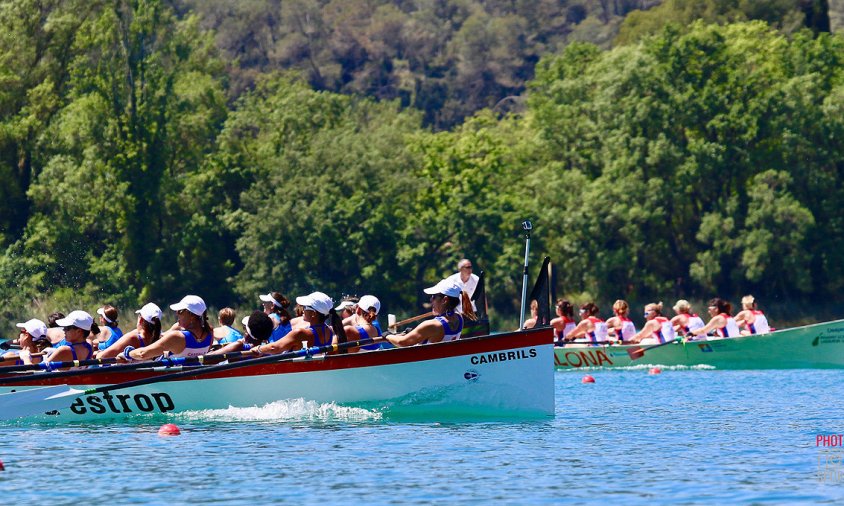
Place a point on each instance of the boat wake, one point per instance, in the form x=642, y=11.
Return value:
x=289, y=410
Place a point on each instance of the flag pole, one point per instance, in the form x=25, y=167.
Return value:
x=527, y=227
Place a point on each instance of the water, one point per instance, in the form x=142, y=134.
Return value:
x=683, y=437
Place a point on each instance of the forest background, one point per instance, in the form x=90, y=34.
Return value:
x=663, y=150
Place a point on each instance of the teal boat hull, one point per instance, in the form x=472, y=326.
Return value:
x=817, y=346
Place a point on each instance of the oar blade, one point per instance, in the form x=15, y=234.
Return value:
x=636, y=353
x=36, y=401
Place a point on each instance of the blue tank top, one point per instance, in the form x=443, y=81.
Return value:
x=194, y=348
x=116, y=334
x=64, y=342
x=232, y=336
x=282, y=330
x=363, y=334
x=327, y=333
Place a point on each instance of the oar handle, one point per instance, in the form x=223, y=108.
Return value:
x=412, y=319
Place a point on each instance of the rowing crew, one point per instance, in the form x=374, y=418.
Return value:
x=619, y=329
x=319, y=324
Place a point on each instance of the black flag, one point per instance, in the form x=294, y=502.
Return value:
x=479, y=297
x=541, y=293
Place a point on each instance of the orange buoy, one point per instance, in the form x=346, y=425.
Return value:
x=169, y=429
x=655, y=370
x=588, y=379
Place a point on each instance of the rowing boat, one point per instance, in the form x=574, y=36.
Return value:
x=817, y=346
x=487, y=376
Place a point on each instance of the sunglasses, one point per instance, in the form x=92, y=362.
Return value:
x=308, y=308
x=70, y=327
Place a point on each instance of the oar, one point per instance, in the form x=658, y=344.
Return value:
x=42, y=400
x=412, y=319
x=637, y=353
x=7, y=345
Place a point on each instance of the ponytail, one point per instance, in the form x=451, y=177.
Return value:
x=336, y=322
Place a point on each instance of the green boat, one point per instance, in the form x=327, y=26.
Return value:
x=817, y=346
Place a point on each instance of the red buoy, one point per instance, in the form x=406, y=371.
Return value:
x=588, y=379
x=655, y=370
x=169, y=429
x=2, y=467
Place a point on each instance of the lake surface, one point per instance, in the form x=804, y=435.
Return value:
x=682, y=437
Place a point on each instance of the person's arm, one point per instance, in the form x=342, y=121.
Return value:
x=431, y=330
x=172, y=341
x=578, y=331
x=647, y=331
x=228, y=348
x=744, y=318
x=613, y=325
x=286, y=343
x=716, y=322
x=117, y=348
x=678, y=322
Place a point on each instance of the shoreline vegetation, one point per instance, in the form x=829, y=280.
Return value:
x=142, y=159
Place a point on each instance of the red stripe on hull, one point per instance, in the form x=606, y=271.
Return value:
x=472, y=346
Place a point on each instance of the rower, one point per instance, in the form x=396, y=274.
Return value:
x=109, y=331
x=534, y=315
x=753, y=320
x=33, y=341
x=275, y=305
x=147, y=331
x=259, y=327
x=77, y=326
x=658, y=329
x=591, y=329
x=192, y=336
x=620, y=326
x=446, y=325
x=685, y=321
x=564, y=323
x=347, y=309
x=721, y=322
x=323, y=325
x=366, y=313
x=225, y=333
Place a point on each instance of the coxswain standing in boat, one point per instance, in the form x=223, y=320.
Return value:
x=591, y=329
x=658, y=329
x=447, y=324
x=721, y=322
x=33, y=341
x=685, y=321
x=77, y=326
x=564, y=323
x=366, y=315
x=192, y=336
x=620, y=327
x=753, y=320
x=147, y=331
x=320, y=315
x=109, y=330
x=275, y=305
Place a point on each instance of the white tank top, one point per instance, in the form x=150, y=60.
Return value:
x=695, y=322
x=730, y=329
x=666, y=329
x=760, y=325
x=628, y=329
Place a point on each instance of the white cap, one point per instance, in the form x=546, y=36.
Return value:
x=149, y=311
x=345, y=304
x=445, y=287
x=368, y=301
x=192, y=303
x=269, y=298
x=101, y=312
x=321, y=302
x=35, y=327
x=76, y=318
x=245, y=320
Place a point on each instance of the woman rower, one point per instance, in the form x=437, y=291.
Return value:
x=33, y=341
x=446, y=325
x=685, y=321
x=534, y=316
x=225, y=333
x=658, y=329
x=564, y=323
x=77, y=326
x=109, y=331
x=275, y=306
x=753, y=320
x=147, y=331
x=259, y=328
x=347, y=309
x=721, y=322
x=620, y=326
x=366, y=312
x=591, y=329
x=190, y=337
x=323, y=324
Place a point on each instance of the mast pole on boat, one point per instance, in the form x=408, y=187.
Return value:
x=527, y=227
